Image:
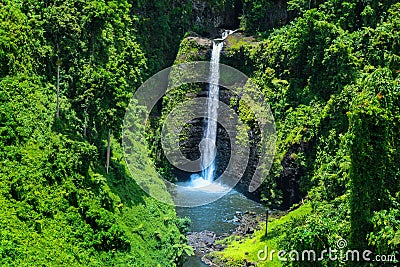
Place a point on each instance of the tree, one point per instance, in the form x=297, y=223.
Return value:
x=374, y=125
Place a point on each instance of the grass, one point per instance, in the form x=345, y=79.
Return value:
x=239, y=251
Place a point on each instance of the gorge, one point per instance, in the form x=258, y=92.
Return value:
x=70, y=195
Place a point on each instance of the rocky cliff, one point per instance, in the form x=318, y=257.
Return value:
x=194, y=48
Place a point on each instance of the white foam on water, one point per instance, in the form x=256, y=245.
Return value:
x=198, y=183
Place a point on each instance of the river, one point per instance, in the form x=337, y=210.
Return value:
x=218, y=216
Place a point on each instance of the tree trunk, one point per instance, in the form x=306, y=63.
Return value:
x=58, y=90
x=84, y=127
x=85, y=120
x=266, y=223
x=108, y=151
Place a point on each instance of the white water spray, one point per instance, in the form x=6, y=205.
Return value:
x=208, y=145
x=210, y=133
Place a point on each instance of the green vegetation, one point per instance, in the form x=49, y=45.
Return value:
x=329, y=70
x=331, y=78
x=239, y=251
x=67, y=72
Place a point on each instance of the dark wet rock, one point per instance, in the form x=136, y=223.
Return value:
x=203, y=242
x=249, y=223
x=209, y=262
x=289, y=180
x=209, y=16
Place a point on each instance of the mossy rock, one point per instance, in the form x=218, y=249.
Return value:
x=193, y=48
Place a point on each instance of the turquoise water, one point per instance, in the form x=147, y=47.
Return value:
x=218, y=216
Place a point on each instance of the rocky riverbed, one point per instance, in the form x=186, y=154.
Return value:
x=205, y=242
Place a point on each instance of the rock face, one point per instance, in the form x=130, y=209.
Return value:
x=193, y=135
x=195, y=48
x=289, y=179
x=210, y=15
x=207, y=15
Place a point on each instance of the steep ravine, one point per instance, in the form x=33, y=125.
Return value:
x=197, y=48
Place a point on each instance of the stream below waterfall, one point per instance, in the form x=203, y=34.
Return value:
x=218, y=216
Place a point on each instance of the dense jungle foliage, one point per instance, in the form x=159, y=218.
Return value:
x=68, y=69
x=331, y=77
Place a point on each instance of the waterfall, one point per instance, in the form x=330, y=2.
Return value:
x=208, y=145
x=210, y=133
